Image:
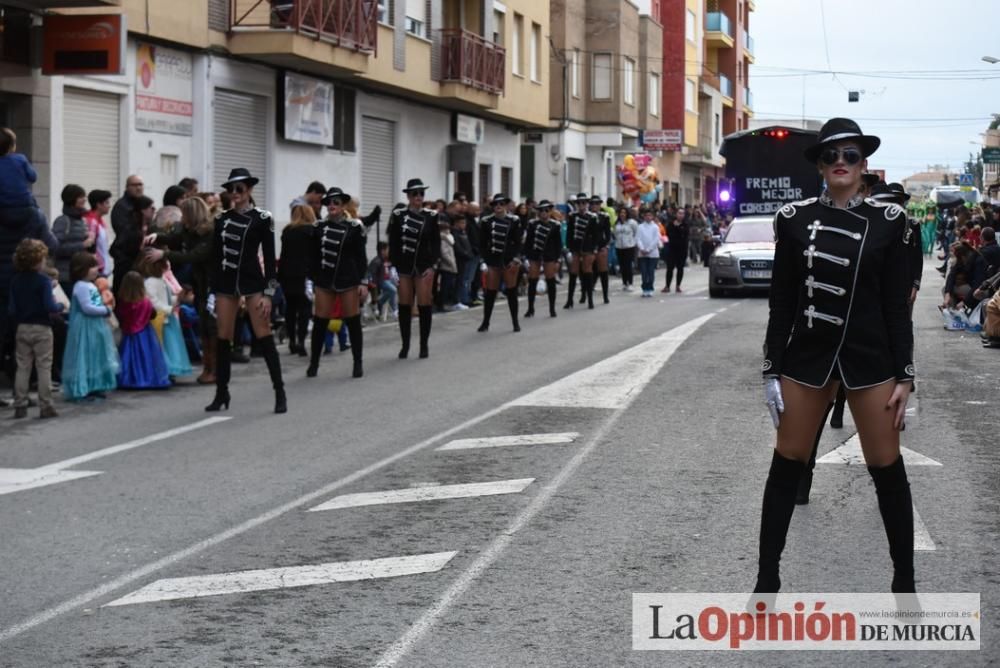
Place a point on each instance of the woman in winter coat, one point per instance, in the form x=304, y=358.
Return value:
x=71, y=231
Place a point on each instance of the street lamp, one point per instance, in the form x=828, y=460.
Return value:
x=991, y=60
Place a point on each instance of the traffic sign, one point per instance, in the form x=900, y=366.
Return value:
x=991, y=154
x=966, y=180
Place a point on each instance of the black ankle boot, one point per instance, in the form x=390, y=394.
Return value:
x=550, y=287
x=775, y=516
x=512, y=306
x=223, y=368
x=405, y=326
x=316, y=343
x=895, y=504
x=489, y=299
x=426, y=315
x=273, y=361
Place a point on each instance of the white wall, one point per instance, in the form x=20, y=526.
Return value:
x=550, y=175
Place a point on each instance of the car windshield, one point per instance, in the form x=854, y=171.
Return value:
x=749, y=232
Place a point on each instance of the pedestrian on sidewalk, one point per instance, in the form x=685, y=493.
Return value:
x=71, y=231
x=143, y=365
x=31, y=310
x=647, y=243
x=678, y=233
x=90, y=363
x=625, y=231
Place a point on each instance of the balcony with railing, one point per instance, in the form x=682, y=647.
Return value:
x=312, y=34
x=718, y=29
x=726, y=88
x=472, y=61
x=748, y=47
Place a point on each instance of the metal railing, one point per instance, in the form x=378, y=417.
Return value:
x=352, y=24
x=725, y=85
x=718, y=22
x=469, y=59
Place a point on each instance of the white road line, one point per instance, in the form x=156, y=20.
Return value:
x=503, y=441
x=416, y=494
x=171, y=589
x=17, y=480
x=630, y=370
x=921, y=537
x=399, y=649
x=850, y=453
x=121, y=581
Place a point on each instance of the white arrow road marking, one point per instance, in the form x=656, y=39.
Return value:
x=17, y=480
x=631, y=370
x=921, y=537
x=171, y=589
x=502, y=441
x=850, y=453
x=425, y=493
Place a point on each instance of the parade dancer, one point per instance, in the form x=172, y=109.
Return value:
x=543, y=247
x=575, y=229
x=338, y=268
x=241, y=233
x=501, y=234
x=414, y=250
x=604, y=234
x=839, y=314
x=589, y=249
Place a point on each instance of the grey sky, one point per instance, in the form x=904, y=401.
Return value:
x=886, y=35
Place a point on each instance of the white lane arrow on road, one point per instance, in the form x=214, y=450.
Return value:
x=850, y=453
x=425, y=493
x=18, y=480
x=171, y=589
x=503, y=441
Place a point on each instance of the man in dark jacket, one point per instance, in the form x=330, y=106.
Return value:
x=463, y=255
x=121, y=214
x=990, y=251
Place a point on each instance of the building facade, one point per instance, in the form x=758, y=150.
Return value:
x=361, y=94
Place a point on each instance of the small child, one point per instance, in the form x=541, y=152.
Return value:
x=163, y=299
x=90, y=363
x=16, y=174
x=143, y=365
x=31, y=303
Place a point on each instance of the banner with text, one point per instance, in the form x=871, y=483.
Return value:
x=163, y=90
x=308, y=110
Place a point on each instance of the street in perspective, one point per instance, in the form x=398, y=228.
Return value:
x=351, y=333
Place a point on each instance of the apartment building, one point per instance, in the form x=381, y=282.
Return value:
x=362, y=94
x=604, y=90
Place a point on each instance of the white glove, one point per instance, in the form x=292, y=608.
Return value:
x=775, y=402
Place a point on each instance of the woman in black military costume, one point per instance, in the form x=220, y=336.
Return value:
x=242, y=232
x=576, y=228
x=604, y=234
x=501, y=236
x=338, y=265
x=414, y=249
x=839, y=314
x=589, y=248
x=543, y=248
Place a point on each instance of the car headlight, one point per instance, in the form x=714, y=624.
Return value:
x=722, y=260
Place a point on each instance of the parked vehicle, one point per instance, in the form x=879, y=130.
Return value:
x=745, y=259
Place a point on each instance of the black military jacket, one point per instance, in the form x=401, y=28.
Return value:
x=237, y=239
x=500, y=239
x=543, y=241
x=414, y=241
x=576, y=230
x=339, y=261
x=604, y=233
x=839, y=294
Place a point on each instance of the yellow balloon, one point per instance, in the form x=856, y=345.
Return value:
x=630, y=163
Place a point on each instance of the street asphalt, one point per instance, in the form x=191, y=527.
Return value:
x=657, y=489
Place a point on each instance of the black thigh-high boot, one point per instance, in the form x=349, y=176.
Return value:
x=273, y=361
x=532, y=291
x=357, y=342
x=896, y=506
x=806, y=481
x=405, y=326
x=604, y=286
x=320, y=326
x=572, y=288
x=512, y=305
x=837, y=420
x=550, y=287
x=775, y=516
x=588, y=289
x=426, y=315
x=223, y=348
x=489, y=298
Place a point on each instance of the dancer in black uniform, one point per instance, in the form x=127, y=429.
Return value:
x=543, y=247
x=576, y=228
x=414, y=249
x=501, y=236
x=839, y=314
x=603, y=242
x=338, y=266
x=589, y=248
x=240, y=233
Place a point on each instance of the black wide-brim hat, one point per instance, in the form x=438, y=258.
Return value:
x=336, y=193
x=241, y=175
x=898, y=188
x=596, y=199
x=839, y=129
x=544, y=204
x=414, y=185
x=884, y=193
x=499, y=198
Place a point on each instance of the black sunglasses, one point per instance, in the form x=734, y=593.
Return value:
x=852, y=156
x=236, y=189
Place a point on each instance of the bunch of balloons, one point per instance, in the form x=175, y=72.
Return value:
x=637, y=179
